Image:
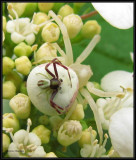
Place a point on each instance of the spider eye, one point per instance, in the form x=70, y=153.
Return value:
x=61, y=80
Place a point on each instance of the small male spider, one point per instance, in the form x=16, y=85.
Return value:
x=54, y=83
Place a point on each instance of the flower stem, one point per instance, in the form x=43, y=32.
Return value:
x=89, y=14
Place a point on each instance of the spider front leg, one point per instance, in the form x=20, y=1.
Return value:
x=54, y=105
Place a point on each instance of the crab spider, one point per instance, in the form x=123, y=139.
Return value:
x=80, y=72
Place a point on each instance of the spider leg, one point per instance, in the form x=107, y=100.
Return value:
x=54, y=105
x=43, y=75
x=46, y=68
x=60, y=64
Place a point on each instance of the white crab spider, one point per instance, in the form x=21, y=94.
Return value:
x=83, y=73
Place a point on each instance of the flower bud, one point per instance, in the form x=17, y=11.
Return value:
x=9, y=89
x=69, y=132
x=73, y=24
x=55, y=121
x=43, y=133
x=86, y=137
x=23, y=65
x=15, y=78
x=90, y=29
x=6, y=142
x=23, y=88
x=43, y=120
x=18, y=7
x=21, y=105
x=4, y=23
x=22, y=49
x=78, y=113
x=46, y=50
x=50, y=154
x=50, y=32
x=83, y=72
x=40, y=18
x=45, y=7
x=8, y=65
x=65, y=11
x=10, y=121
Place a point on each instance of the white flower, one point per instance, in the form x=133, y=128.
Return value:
x=21, y=28
x=115, y=80
x=112, y=82
x=121, y=132
x=119, y=15
x=25, y=143
x=94, y=149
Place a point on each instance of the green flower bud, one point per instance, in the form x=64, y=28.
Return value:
x=97, y=86
x=29, y=9
x=8, y=65
x=78, y=113
x=18, y=7
x=15, y=78
x=40, y=18
x=21, y=105
x=50, y=154
x=65, y=11
x=6, y=142
x=50, y=32
x=4, y=23
x=10, y=121
x=73, y=24
x=69, y=132
x=43, y=120
x=22, y=49
x=87, y=134
x=90, y=29
x=9, y=89
x=23, y=88
x=23, y=65
x=45, y=7
x=43, y=133
x=44, y=52
x=55, y=121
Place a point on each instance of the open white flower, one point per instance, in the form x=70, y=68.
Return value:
x=25, y=143
x=94, y=149
x=121, y=132
x=119, y=15
x=21, y=28
x=115, y=81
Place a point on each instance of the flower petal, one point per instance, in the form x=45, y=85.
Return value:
x=113, y=80
x=119, y=15
x=13, y=151
x=17, y=38
x=34, y=139
x=20, y=135
x=30, y=38
x=10, y=27
x=121, y=132
x=39, y=152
